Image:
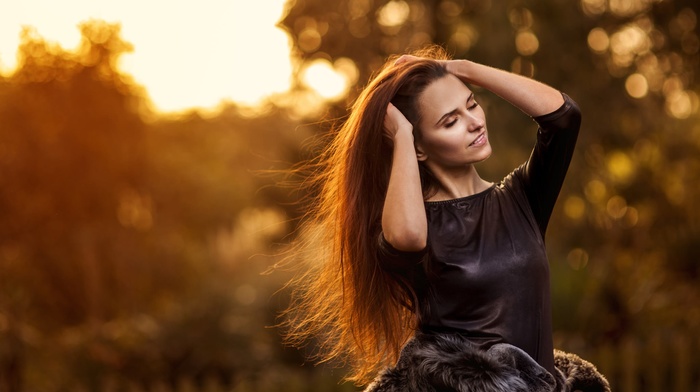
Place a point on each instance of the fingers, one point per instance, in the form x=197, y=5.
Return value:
x=395, y=121
x=405, y=58
x=393, y=115
x=390, y=122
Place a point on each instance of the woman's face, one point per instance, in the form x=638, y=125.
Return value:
x=452, y=125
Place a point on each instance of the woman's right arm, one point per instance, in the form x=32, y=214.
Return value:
x=404, y=222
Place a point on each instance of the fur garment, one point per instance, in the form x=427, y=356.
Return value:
x=449, y=363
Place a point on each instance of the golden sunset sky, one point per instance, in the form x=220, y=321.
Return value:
x=188, y=54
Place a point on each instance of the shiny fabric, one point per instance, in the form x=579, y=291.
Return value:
x=484, y=273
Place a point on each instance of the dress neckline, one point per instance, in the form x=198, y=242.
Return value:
x=463, y=198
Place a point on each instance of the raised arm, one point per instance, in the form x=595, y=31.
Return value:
x=404, y=223
x=530, y=96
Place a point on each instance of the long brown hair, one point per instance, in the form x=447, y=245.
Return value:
x=359, y=312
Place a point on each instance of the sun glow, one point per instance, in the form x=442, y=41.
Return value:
x=186, y=54
x=330, y=81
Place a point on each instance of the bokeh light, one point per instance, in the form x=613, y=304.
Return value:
x=595, y=191
x=394, y=13
x=449, y=9
x=616, y=207
x=620, y=166
x=598, y=40
x=526, y=43
x=629, y=7
x=322, y=77
x=523, y=66
x=464, y=37
x=520, y=18
x=628, y=42
x=679, y=104
x=593, y=7
x=631, y=217
x=574, y=207
x=636, y=85
x=309, y=40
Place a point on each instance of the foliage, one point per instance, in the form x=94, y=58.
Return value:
x=132, y=244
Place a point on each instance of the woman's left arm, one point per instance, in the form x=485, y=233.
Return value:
x=532, y=97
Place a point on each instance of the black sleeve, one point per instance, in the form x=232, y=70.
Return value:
x=393, y=259
x=543, y=174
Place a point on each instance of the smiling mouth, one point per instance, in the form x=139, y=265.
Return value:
x=479, y=141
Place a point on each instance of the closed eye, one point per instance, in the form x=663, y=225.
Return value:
x=470, y=98
x=451, y=123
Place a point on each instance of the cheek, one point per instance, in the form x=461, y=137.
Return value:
x=446, y=143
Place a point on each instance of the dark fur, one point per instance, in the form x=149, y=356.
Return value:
x=449, y=363
x=579, y=374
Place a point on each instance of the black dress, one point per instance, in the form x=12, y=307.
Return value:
x=484, y=273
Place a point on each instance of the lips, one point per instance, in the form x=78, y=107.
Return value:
x=479, y=141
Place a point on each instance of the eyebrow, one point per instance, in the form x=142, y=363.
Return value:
x=453, y=111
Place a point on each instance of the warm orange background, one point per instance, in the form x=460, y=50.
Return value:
x=143, y=191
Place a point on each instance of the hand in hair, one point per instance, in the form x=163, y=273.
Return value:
x=532, y=97
x=405, y=58
x=395, y=122
x=409, y=57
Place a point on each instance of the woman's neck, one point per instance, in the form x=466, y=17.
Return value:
x=455, y=184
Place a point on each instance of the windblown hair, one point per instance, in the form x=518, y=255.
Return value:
x=360, y=312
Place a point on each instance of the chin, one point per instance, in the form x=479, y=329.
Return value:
x=485, y=154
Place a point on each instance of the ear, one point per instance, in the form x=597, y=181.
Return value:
x=420, y=153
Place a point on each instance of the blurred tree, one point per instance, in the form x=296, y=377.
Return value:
x=127, y=246
x=629, y=216
x=71, y=144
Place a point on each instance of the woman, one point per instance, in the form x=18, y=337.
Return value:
x=428, y=268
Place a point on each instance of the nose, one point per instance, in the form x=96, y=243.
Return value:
x=475, y=123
